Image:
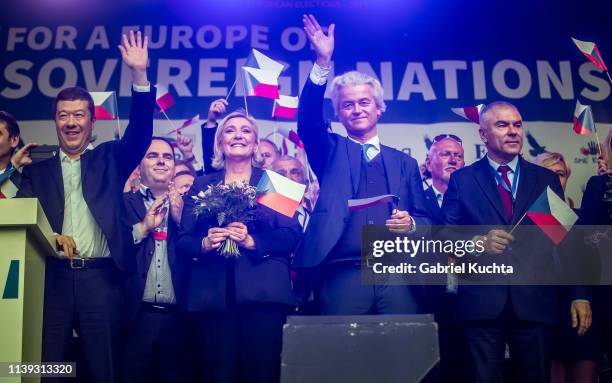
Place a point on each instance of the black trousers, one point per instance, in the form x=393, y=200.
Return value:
x=343, y=293
x=241, y=345
x=88, y=301
x=155, y=347
x=530, y=349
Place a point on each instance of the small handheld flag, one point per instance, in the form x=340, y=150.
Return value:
x=104, y=103
x=591, y=52
x=291, y=135
x=285, y=107
x=583, y=119
x=258, y=60
x=470, y=113
x=363, y=203
x=259, y=82
x=551, y=214
x=279, y=193
x=163, y=98
x=192, y=121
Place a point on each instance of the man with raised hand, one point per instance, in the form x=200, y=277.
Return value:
x=80, y=190
x=352, y=167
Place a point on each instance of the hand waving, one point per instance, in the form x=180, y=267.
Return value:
x=322, y=43
x=135, y=55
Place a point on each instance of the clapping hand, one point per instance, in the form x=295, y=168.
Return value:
x=155, y=215
x=176, y=203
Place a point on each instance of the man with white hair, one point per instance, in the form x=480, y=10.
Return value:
x=353, y=167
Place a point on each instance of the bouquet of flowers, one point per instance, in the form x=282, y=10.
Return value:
x=233, y=202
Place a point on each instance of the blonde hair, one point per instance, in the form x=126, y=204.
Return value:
x=218, y=161
x=354, y=78
x=548, y=159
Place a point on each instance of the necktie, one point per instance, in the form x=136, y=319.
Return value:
x=364, y=149
x=505, y=193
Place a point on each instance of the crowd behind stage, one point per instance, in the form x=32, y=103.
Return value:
x=138, y=275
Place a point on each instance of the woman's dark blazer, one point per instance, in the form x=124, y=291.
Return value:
x=260, y=275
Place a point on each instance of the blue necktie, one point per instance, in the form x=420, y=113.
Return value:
x=364, y=149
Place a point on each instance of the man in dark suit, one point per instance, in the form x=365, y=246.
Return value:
x=498, y=190
x=445, y=156
x=156, y=292
x=357, y=166
x=80, y=190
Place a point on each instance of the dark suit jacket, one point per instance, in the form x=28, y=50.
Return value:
x=104, y=171
x=260, y=275
x=135, y=212
x=472, y=198
x=593, y=209
x=336, y=161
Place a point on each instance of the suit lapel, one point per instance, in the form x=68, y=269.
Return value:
x=487, y=184
x=526, y=187
x=55, y=172
x=354, y=157
x=136, y=203
x=392, y=164
x=84, y=167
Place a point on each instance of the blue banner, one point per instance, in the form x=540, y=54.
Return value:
x=429, y=55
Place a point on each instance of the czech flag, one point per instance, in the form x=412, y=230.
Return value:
x=163, y=98
x=259, y=82
x=363, y=203
x=285, y=107
x=291, y=135
x=470, y=113
x=258, y=60
x=551, y=214
x=105, y=103
x=590, y=50
x=192, y=121
x=583, y=119
x=279, y=193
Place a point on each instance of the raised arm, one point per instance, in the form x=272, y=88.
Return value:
x=312, y=127
x=137, y=136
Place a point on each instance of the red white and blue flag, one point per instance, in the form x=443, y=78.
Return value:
x=291, y=135
x=258, y=60
x=163, y=98
x=591, y=51
x=584, y=123
x=279, y=193
x=105, y=105
x=285, y=107
x=192, y=121
x=363, y=203
x=551, y=214
x=470, y=113
x=260, y=82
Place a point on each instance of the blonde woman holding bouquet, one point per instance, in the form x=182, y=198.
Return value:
x=240, y=290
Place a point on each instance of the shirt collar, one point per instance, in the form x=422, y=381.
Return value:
x=437, y=192
x=64, y=156
x=512, y=164
x=146, y=192
x=374, y=141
